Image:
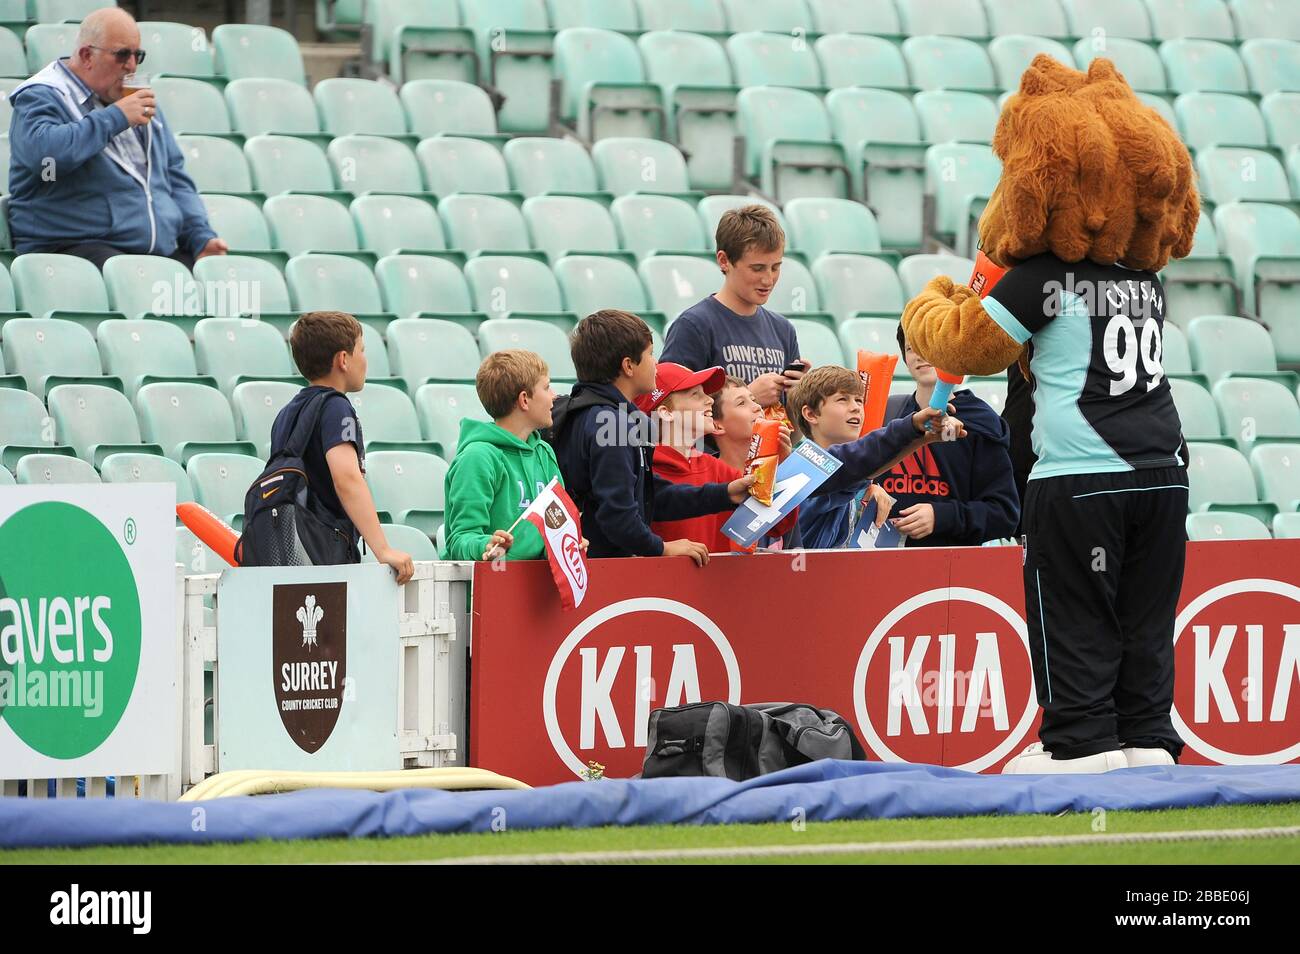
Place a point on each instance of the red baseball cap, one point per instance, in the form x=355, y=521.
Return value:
x=671, y=377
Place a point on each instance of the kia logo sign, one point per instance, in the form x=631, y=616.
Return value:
x=1244, y=655
x=950, y=681
x=618, y=669
x=573, y=559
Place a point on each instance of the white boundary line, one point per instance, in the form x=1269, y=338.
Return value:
x=865, y=848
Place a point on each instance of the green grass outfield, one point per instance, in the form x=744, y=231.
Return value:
x=1281, y=850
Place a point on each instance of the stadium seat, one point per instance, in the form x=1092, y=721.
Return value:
x=441, y=407
x=948, y=62
x=374, y=164
x=712, y=208
x=872, y=334
x=694, y=16
x=1286, y=526
x=676, y=282
x=1026, y=18
x=232, y=349
x=773, y=59
x=1277, y=474
x=1261, y=238
x=255, y=405
x=325, y=282
x=187, y=419
x=537, y=165
x=54, y=469
x=952, y=17
x=259, y=106
x=626, y=165
x=878, y=17
x=1203, y=65
x=249, y=50
x=454, y=164
x=1228, y=174
x=1202, y=19
x=221, y=481
x=195, y=556
x=409, y=486
x=24, y=427
x=860, y=61
x=1255, y=411
x=817, y=342
x=915, y=271
x=1138, y=61
x=603, y=89
x=388, y=418
x=777, y=16
x=50, y=351
x=420, y=349
x=1208, y=119
x=349, y=106
x=1219, y=479
x=286, y=163
x=1196, y=410
x=60, y=286
x=237, y=285
x=960, y=178
x=1222, y=344
x=136, y=468
x=411, y=285
x=1272, y=65
x=657, y=224
x=176, y=48
x=504, y=285
x=589, y=283
x=1011, y=55
x=140, y=351
x=6, y=478
x=421, y=39
x=62, y=11
x=483, y=223
x=546, y=340
x=1281, y=112
x=387, y=224
x=215, y=165
x=848, y=284
x=306, y=223
x=239, y=222
x=1107, y=18
x=620, y=15
x=13, y=58
x=47, y=42
x=822, y=226
x=789, y=147
x=560, y=224
x=515, y=47
x=1202, y=527
x=955, y=116
x=1175, y=356
x=447, y=107
x=1260, y=19
x=407, y=539
x=150, y=285
x=192, y=106
x=796, y=293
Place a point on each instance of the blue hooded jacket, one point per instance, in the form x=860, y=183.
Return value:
x=68, y=183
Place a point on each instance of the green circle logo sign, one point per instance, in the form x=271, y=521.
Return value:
x=69, y=629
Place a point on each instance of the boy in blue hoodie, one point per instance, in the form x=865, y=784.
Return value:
x=604, y=445
x=827, y=407
x=955, y=493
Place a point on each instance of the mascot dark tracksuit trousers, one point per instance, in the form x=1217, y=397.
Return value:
x=1082, y=310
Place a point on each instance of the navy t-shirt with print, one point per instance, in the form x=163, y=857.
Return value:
x=339, y=424
x=710, y=334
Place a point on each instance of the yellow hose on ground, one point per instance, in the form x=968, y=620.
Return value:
x=269, y=782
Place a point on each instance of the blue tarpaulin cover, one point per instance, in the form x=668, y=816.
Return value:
x=820, y=791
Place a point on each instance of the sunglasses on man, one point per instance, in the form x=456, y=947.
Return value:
x=123, y=54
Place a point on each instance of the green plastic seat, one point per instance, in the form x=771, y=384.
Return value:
x=960, y=177
x=1175, y=355
x=694, y=16
x=1202, y=527
x=871, y=334
x=237, y=285
x=1264, y=239
x=796, y=292
x=1218, y=476
x=1286, y=526
x=447, y=107
x=560, y=224
x=1139, y=63
x=1196, y=410
x=255, y=405
x=821, y=226
x=1026, y=17
x=1222, y=344
x=215, y=165
x=285, y=163
x=789, y=147
x=423, y=348
x=221, y=481
x=407, y=539
x=952, y=17
x=13, y=58
x=1209, y=119
x=589, y=283
x=24, y=426
x=501, y=285
x=234, y=348
x=266, y=105
x=1277, y=474
x=440, y=408
x=54, y=469
x=1113, y=18
x=249, y=50
x=515, y=48
x=948, y=62
x=1203, y=283
x=1203, y=19
x=676, y=282
x=538, y=165
x=192, y=106
x=1255, y=411
x=194, y=556
x=1272, y=65
x=778, y=16
x=374, y=164
x=387, y=223
x=134, y=351
x=46, y=42
x=304, y=223
x=817, y=343
x=415, y=284
x=127, y=467
x=409, y=485
x=955, y=116
x=238, y=221
x=59, y=11
x=1262, y=19
x=849, y=60
x=47, y=285
x=7, y=85
x=848, y=284
x=351, y=106
x=1011, y=55
x=650, y=224
x=712, y=208
x=546, y=340
x=771, y=59
x=618, y=15
x=1203, y=65
x=1281, y=112
x=879, y=17
x=454, y=164
x=187, y=419
x=140, y=285
x=603, y=89
x=324, y=282
x=477, y=223
x=38, y=348
x=639, y=165
x=421, y=39
x=915, y=271
x=176, y=48
x=6, y=478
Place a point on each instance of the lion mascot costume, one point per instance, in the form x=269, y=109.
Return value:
x=1096, y=195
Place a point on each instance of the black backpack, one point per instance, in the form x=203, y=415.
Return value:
x=741, y=742
x=280, y=526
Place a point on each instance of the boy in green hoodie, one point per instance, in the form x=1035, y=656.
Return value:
x=499, y=467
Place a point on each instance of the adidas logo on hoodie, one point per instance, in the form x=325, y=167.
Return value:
x=917, y=474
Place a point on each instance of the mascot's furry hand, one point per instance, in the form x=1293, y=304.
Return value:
x=947, y=324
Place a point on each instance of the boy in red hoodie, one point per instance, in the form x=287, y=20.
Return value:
x=682, y=406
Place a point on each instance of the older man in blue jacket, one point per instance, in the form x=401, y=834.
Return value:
x=95, y=173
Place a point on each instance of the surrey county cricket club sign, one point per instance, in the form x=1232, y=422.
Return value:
x=925, y=652
x=309, y=629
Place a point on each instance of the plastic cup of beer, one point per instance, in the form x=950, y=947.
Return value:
x=134, y=83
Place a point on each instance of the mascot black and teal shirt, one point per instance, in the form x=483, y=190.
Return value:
x=1102, y=403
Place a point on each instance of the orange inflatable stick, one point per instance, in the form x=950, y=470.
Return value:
x=986, y=275
x=219, y=536
x=877, y=371
x=764, y=447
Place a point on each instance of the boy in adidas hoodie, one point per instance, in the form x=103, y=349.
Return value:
x=955, y=493
x=500, y=466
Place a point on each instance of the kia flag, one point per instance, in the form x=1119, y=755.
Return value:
x=553, y=513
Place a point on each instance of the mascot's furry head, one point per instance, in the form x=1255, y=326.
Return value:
x=1088, y=171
